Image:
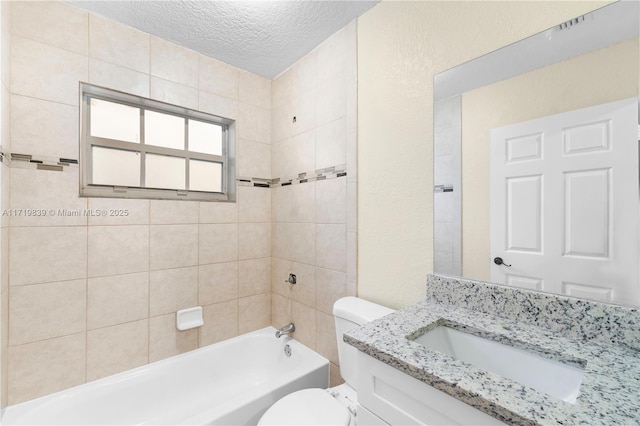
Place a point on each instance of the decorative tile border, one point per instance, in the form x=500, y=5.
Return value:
x=28, y=161
x=582, y=319
x=333, y=172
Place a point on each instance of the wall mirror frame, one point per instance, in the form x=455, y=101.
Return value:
x=497, y=217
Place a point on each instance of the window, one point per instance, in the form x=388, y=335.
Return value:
x=133, y=147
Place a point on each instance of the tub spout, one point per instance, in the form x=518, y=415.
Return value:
x=287, y=329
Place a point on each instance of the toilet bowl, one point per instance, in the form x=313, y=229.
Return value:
x=337, y=405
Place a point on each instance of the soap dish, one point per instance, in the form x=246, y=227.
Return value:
x=187, y=319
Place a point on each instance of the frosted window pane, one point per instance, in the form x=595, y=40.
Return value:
x=163, y=130
x=165, y=172
x=205, y=137
x=115, y=167
x=205, y=176
x=115, y=121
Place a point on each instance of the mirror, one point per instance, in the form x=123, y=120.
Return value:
x=536, y=180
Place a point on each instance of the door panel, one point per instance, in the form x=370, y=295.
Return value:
x=587, y=201
x=565, y=203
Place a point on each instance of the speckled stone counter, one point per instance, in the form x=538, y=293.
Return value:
x=602, y=338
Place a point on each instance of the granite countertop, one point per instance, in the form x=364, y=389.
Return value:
x=610, y=390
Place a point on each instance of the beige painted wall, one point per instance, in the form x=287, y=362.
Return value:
x=401, y=46
x=612, y=75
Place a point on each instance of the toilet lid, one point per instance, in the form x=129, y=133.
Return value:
x=307, y=407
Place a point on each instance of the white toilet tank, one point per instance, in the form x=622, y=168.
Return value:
x=350, y=312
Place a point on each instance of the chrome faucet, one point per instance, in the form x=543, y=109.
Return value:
x=287, y=329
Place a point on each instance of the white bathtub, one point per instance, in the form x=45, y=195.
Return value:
x=229, y=383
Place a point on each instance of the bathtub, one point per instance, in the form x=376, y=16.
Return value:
x=229, y=383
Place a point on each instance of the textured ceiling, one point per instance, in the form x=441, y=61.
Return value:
x=264, y=37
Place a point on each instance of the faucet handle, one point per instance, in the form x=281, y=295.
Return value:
x=292, y=279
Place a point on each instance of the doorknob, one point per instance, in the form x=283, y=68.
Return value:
x=499, y=261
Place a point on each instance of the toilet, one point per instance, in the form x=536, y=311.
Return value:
x=337, y=405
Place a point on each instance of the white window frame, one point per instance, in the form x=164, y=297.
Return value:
x=227, y=159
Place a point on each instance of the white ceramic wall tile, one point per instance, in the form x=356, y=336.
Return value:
x=173, y=246
x=217, y=283
x=294, y=155
x=254, y=312
x=280, y=310
x=303, y=108
x=118, y=348
x=331, y=99
x=254, y=159
x=117, y=299
x=166, y=340
x=443, y=262
x=294, y=203
x=60, y=253
x=333, y=55
x=218, y=243
x=120, y=211
x=213, y=212
x=352, y=105
x=218, y=77
x=330, y=286
x=295, y=241
x=40, y=368
x=173, y=62
x=446, y=122
x=304, y=291
x=280, y=119
x=331, y=144
x=53, y=194
x=254, y=240
x=166, y=212
x=254, y=90
x=352, y=206
x=443, y=236
x=331, y=247
x=43, y=311
x=326, y=337
x=217, y=105
x=254, y=276
x=305, y=73
x=46, y=72
x=352, y=288
x=220, y=322
x=4, y=260
x=5, y=118
x=118, y=250
x=254, y=204
x=51, y=22
x=254, y=123
x=443, y=169
x=118, y=44
x=43, y=128
x=174, y=93
x=352, y=157
x=331, y=201
x=117, y=77
x=172, y=289
x=305, y=321
x=352, y=256
x=5, y=41
x=282, y=89
x=444, y=206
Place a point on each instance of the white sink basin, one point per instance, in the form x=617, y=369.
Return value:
x=543, y=374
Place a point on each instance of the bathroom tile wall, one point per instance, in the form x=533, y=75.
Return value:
x=93, y=296
x=5, y=140
x=314, y=222
x=447, y=206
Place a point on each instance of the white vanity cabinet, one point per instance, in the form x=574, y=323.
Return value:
x=388, y=396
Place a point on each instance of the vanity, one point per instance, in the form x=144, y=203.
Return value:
x=481, y=353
